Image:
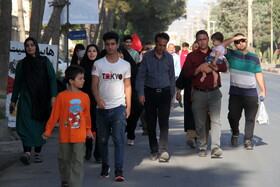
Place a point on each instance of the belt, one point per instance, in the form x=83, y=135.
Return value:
x=158, y=90
x=207, y=90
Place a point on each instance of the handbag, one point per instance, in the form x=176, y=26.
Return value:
x=262, y=118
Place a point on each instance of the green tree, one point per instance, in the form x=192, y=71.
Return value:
x=276, y=19
x=232, y=17
x=148, y=17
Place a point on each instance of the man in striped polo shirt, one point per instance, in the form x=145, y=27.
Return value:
x=245, y=72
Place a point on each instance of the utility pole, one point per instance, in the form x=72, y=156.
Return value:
x=67, y=31
x=250, y=20
x=271, y=32
x=208, y=18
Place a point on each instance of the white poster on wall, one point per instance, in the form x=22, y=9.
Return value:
x=16, y=54
x=80, y=12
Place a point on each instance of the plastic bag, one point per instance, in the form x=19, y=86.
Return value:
x=262, y=118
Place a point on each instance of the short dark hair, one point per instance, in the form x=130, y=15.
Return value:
x=201, y=32
x=238, y=34
x=111, y=35
x=162, y=35
x=72, y=71
x=127, y=37
x=177, y=48
x=185, y=44
x=218, y=36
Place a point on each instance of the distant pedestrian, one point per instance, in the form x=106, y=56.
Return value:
x=72, y=110
x=245, y=73
x=177, y=66
x=177, y=49
x=195, y=46
x=205, y=97
x=184, y=53
x=155, y=85
x=112, y=91
x=78, y=54
x=127, y=40
x=91, y=55
x=35, y=90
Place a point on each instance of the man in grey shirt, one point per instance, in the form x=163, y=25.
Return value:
x=155, y=85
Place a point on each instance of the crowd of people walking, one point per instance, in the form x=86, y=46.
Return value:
x=109, y=91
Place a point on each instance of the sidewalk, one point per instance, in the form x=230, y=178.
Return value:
x=272, y=68
x=10, y=148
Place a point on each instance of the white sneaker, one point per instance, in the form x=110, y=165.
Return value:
x=130, y=142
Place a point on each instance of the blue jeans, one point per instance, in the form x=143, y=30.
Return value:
x=111, y=122
x=211, y=59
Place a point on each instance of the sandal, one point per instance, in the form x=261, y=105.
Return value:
x=64, y=184
x=38, y=158
x=25, y=159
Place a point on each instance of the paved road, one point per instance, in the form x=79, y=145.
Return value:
x=237, y=168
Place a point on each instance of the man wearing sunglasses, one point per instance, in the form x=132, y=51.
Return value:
x=245, y=72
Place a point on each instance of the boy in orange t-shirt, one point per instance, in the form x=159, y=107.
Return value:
x=72, y=110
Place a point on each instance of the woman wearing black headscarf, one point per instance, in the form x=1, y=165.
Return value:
x=35, y=90
x=76, y=58
x=91, y=55
x=136, y=107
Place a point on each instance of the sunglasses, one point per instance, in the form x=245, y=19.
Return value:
x=238, y=41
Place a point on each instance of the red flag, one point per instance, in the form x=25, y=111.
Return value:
x=136, y=45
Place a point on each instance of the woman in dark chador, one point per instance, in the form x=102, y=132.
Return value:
x=34, y=92
x=91, y=55
x=78, y=54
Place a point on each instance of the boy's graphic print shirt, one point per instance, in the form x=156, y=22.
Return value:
x=72, y=111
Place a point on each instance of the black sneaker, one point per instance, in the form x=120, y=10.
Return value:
x=234, y=141
x=105, y=171
x=248, y=145
x=119, y=175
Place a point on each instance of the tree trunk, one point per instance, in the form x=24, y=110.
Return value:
x=111, y=18
x=37, y=14
x=54, y=22
x=97, y=30
x=21, y=21
x=87, y=41
x=121, y=23
x=5, y=33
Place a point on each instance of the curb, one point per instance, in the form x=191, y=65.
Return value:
x=272, y=70
x=9, y=153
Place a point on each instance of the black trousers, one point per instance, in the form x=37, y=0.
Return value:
x=157, y=106
x=136, y=110
x=236, y=105
x=36, y=149
x=89, y=141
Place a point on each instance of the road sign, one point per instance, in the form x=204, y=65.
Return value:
x=77, y=35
